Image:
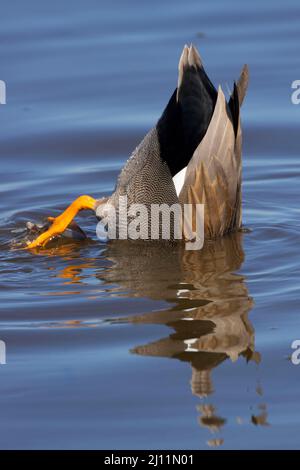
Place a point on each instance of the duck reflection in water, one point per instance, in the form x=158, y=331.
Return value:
x=209, y=312
x=209, y=308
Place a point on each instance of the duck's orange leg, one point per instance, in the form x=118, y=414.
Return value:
x=60, y=223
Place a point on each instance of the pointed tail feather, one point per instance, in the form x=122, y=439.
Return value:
x=186, y=118
x=196, y=98
x=237, y=96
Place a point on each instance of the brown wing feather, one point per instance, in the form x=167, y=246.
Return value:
x=213, y=176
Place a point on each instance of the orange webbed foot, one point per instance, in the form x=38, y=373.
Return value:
x=60, y=223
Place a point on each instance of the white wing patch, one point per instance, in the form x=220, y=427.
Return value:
x=178, y=180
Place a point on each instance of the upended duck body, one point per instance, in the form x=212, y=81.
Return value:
x=191, y=156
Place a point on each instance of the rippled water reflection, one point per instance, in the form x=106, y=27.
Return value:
x=90, y=328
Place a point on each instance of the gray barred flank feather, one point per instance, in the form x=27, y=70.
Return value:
x=146, y=178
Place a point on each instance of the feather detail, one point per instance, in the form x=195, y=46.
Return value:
x=242, y=84
x=213, y=176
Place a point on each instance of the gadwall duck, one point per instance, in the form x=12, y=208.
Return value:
x=191, y=156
